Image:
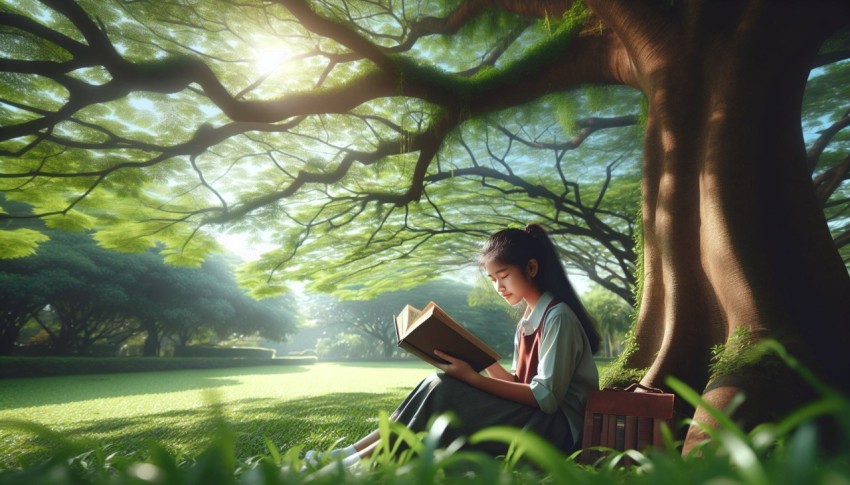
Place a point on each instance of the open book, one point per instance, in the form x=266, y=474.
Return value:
x=420, y=332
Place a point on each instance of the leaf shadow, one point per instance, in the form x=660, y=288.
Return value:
x=316, y=422
x=41, y=391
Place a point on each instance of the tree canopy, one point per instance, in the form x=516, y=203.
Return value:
x=307, y=126
x=363, y=133
x=82, y=295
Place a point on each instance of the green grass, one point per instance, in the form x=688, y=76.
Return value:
x=203, y=427
x=313, y=406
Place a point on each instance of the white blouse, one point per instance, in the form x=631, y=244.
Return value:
x=566, y=372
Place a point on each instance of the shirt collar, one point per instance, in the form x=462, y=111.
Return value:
x=530, y=324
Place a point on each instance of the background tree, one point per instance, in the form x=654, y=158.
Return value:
x=613, y=317
x=95, y=296
x=24, y=294
x=159, y=303
x=206, y=302
x=91, y=308
x=362, y=127
x=25, y=288
x=220, y=305
x=345, y=346
x=85, y=287
x=274, y=319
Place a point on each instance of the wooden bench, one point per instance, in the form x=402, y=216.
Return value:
x=622, y=419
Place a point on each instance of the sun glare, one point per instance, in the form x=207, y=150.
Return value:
x=271, y=60
x=243, y=245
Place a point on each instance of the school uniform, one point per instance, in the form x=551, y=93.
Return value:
x=551, y=353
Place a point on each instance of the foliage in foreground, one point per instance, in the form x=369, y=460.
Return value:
x=774, y=453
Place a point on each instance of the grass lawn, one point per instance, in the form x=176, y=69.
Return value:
x=312, y=405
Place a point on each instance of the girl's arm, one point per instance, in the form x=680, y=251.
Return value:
x=496, y=371
x=513, y=391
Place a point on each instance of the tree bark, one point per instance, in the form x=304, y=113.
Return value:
x=735, y=240
x=152, y=345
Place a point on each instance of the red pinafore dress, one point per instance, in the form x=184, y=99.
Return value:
x=528, y=353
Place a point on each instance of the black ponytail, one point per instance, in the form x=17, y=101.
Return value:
x=517, y=247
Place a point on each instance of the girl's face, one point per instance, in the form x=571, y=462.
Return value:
x=512, y=282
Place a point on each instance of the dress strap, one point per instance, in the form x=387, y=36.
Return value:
x=549, y=308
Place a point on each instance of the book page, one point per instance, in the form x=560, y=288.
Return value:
x=422, y=316
x=405, y=319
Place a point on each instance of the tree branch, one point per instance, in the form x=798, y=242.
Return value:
x=588, y=127
x=633, y=21
x=76, y=49
x=827, y=182
x=96, y=38
x=468, y=10
x=426, y=143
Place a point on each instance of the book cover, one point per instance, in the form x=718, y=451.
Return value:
x=422, y=332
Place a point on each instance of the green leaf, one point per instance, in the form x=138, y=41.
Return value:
x=565, y=110
x=532, y=446
x=124, y=237
x=183, y=258
x=71, y=221
x=20, y=243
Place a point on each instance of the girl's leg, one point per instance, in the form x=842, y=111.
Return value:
x=368, y=450
x=364, y=447
x=367, y=441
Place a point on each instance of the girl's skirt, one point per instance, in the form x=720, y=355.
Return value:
x=474, y=410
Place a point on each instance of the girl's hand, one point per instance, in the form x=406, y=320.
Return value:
x=457, y=368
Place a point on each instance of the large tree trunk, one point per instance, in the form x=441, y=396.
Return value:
x=734, y=238
x=152, y=345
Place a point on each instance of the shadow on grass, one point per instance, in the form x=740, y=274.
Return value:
x=316, y=422
x=380, y=363
x=41, y=391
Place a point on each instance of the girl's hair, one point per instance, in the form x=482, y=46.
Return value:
x=516, y=247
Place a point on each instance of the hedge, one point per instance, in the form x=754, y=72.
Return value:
x=11, y=367
x=230, y=352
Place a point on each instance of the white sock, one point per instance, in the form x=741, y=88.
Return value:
x=351, y=460
x=343, y=452
x=313, y=457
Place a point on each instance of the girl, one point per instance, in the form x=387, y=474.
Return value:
x=553, y=367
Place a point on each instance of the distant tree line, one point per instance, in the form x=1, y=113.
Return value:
x=73, y=297
x=82, y=299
